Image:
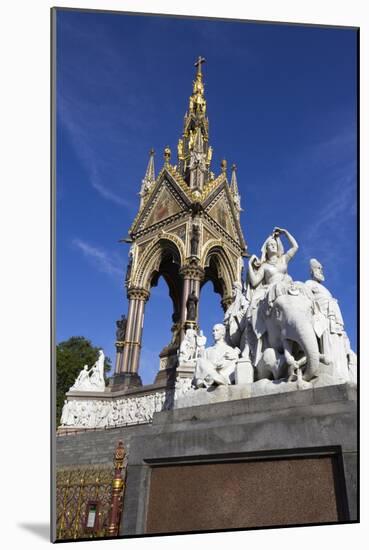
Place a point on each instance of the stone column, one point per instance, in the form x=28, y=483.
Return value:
x=186, y=291
x=196, y=288
x=128, y=362
x=119, y=346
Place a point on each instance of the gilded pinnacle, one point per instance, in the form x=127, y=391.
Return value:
x=199, y=62
x=149, y=178
x=167, y=154
x=234, y=189
x=193, y=151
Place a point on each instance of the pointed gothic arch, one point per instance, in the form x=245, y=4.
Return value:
x=149, y=260
x=220, y=269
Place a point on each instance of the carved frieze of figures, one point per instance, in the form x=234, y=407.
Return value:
x=93, y=413
x=182, y=386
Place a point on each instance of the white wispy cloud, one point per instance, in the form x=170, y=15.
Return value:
x=336, y=204
x=101, y=109
x=340, y=205
x=110, y=264
x=87, y=153
x=105, y=192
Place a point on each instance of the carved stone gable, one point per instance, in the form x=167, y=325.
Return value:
x=163, y=205
x=221, y=212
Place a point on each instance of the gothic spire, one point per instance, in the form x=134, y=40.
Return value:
x=149, y=178
x=194, y=153
x=150, y=170
x=234, y=189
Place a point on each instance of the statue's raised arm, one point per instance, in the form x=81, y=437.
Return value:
x=277, y=231
x=272, y=266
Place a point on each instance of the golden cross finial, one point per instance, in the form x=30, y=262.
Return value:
x=199, y=62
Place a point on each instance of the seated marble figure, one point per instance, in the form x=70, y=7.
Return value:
x=216, y=364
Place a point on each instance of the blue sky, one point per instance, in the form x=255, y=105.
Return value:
x=282, y=107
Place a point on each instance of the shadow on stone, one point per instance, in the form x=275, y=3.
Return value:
x=40, y=529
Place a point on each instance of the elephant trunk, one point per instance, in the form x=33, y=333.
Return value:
x=308, y=342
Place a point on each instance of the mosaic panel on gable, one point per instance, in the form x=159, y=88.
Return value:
x=222, y=214
x=165, y=206
x=180, y=231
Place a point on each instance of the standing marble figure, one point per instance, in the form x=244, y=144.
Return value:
x=328, y=323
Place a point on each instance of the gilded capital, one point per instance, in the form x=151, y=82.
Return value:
x=135, y=293
x=192, y=271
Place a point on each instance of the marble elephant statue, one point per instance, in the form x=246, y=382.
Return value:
x=286, y=326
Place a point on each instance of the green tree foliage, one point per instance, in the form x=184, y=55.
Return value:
x=71, y=356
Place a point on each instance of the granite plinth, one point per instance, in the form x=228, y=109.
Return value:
x=311, y=424
x=124, y=380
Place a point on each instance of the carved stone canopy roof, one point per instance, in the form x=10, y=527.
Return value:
x=172, y=194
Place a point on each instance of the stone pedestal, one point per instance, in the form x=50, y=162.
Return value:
x=167, y=368
x=186, y=369
x=205, y=448
x=124, y=380
x=244, y=372
x=292, y=453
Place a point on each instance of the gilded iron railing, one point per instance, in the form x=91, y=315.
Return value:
x=89, y=499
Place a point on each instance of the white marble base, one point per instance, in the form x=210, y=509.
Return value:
x=244, y=372
x=219, y=394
